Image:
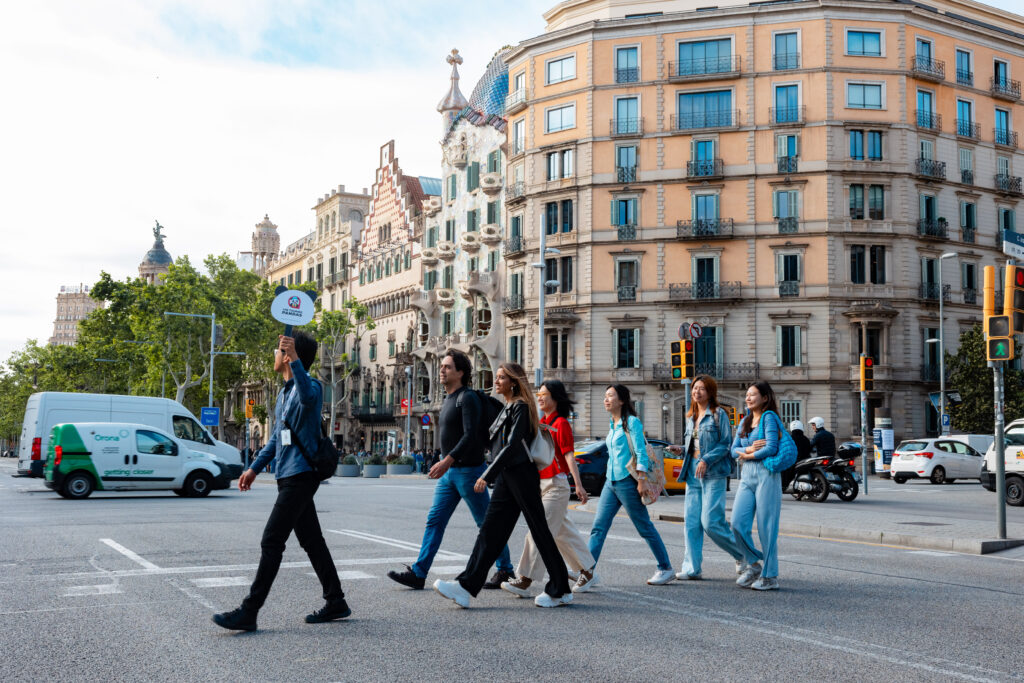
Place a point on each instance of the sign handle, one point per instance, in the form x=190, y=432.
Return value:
x=287, y=330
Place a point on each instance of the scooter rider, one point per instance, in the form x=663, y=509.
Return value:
x=823, y=442
x=803, y=451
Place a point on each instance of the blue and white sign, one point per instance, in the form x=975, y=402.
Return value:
x=1013, y=244
x=945, y=420
x=210, y=417
x=292, y=307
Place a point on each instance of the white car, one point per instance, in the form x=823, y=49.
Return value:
x=941, y=460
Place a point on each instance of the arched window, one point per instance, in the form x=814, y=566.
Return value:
x=355, y=216
x=334, y=220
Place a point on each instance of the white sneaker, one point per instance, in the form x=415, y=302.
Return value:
x=750, y=575
x=741, y=567
x=766, y=584
x=454, y=591
x=585, y=582
x=683, y=576
x=661, y=577
x=545, y=600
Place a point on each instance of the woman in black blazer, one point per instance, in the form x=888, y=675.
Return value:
x=516, y=490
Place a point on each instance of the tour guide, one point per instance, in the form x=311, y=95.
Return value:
x=298, y=405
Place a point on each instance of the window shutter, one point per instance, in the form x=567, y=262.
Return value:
x=799, y=268
x=775, y=204
x=780, y=266
x=615, y=214
x=796, y=145
x=797, y=358
x=615, y=348
x=778, y=345
x=636, y=347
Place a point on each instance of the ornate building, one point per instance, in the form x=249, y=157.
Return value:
x=157, y=260
x=73, y=305
x=463, y=273
x=386, y=278
x=266, y=242
x=790, y=175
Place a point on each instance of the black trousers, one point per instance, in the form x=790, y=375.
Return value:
x=516, y=490
x=293, y=511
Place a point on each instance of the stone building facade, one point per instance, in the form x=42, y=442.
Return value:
x=786, y=174
x=157, y=260
x=73, y=306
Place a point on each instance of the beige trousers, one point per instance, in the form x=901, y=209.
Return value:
x=554, y=495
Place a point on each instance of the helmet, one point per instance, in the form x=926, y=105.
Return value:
x=795, y=425
x=818, y=422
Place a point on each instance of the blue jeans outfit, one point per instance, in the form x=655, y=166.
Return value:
x=705, y=512
x=456, y=484
x=760, y=492
x=623, y=493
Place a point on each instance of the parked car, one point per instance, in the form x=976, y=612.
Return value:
x=942, y=461
x=592, y=460
x=1013, y=460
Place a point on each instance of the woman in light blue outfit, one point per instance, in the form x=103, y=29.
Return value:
x=620, y=489
x=760, y=491
x=707, y=464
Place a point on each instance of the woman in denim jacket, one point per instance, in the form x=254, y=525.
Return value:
x=706, y=466
x=760, y=491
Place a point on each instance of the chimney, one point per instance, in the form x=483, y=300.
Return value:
x=341, y=188
x=365, y=191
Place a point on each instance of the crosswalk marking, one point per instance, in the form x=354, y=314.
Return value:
x=103, y=589
x=218, y=581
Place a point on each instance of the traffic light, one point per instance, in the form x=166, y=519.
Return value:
x=1013, y=301
x=688, y=369
x=998, y=338
x=867, y=373
x=676, y=359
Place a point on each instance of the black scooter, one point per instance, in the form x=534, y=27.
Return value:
x=815, y=478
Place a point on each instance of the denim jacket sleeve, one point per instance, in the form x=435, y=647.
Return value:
x=772, y=424
x=512, y=452
x=721, y=448
x=308, y=390
x=267, y=453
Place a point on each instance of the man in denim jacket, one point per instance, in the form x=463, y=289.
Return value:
x=297, y=416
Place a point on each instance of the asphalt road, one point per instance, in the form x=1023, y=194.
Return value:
x=121, y=587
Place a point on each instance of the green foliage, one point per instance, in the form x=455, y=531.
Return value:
x=970, y=375
x=374, y=459
x=349, y=460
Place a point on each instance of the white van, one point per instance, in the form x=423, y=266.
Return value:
x=116, y=456
x=1013, y=461
x=49, y=408
x=979, y=442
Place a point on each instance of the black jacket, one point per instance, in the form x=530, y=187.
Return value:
x=803, y=445
x=510, y=437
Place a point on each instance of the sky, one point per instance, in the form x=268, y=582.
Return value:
x=206, y=115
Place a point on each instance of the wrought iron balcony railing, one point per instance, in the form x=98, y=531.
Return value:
x=968, y=234
x=627, y=75
x=704, y=228
x=513, y=245
x=787, y=164
x=970, y=295
x=627, y=232
x=936, y=229
x=704, y=168
x=714, y=119
x=929, y=69
x=1004, y=137
x=966, y=128
x=627, y=292
x=928, y=120
x=966, y=176
x=788, y=225
x=626, y=126
x=964, y=77
x=513, y=303
x=786, y=60
x=1008, y=184
x=704, y=291
x=789, y=288
x=700, y=68
x=929, y=291
x=625, y=174
x=930, y=168
x=787, y=115
x=515, y=190
x=1004, y=89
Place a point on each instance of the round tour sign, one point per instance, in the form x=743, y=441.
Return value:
x=684, y=330
x=292, y=307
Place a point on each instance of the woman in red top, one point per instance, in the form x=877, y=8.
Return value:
x=555, y=407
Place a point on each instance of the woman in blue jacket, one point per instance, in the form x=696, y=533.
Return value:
x=706, y=466
x=760, y=491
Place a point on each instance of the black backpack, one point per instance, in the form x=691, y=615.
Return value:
x=490, y=408
x=324, y=460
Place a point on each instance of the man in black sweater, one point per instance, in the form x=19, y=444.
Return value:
x=823, y=442
x=461, y=464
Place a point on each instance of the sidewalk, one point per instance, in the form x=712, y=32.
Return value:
x=887, y=517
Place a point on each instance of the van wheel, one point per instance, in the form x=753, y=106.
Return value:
x=198, y=485
x=79, y=485
x=1015, y=491
x=938, y=475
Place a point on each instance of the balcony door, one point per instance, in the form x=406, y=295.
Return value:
x=787, y=102
x=705, y=353
x=927, y=208
x=627, y=115
x=925, y=108
x=705, y=270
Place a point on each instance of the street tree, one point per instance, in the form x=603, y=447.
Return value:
x=335, y=331
x=970, y=375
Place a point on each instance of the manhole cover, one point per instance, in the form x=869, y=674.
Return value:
x=923, y=523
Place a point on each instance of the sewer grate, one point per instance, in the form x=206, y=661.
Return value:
x=924, y=523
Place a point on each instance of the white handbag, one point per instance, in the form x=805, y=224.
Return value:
x=542, y=449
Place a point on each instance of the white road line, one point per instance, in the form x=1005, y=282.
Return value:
x=631, y=539
x=775, y=630
x=449, y=569
x=349, y=574
x=933, y=553
x=102, y=589
x=219, y=581
x=180, y=585
x=131, y=555
x=397, y=543
x=77, y=607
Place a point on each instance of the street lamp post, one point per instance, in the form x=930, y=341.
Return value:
x=163, y=375
x=408, y=410
x=943, y=423
x=538, y=373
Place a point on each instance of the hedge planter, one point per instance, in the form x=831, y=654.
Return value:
x=374, y=471
x=399, y=469
x=348, y=471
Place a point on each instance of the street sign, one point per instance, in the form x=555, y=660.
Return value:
x=425, y=421
x=945, y=420
x=405, y=406
x=696, y=330
x=684, y=330
x=425, y=427
x=209, y=417
x=1013, y=244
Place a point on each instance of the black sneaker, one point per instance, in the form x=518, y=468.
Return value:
x=499, y=577
x=407, y=578
x=329, y=612
x=236, y=620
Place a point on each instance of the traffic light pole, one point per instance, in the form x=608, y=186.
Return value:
x=997, y=381
x=686, y=393
x=864, y=438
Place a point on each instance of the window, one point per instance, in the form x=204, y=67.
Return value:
x=964, y=69
x=373, y=351
x=1002, y=165
x=787, y=338
x=452, y=186
x=515, y=349
x=1000, y=74
x=1007, y=219
x=625, y=163
x=624, y=211
x=966, y=157
x=566, y=286
x=787, y=267
x=558, y=349
x=446, y=323
x=1002, y=128
x=560, y=270
x=968, y=280
x=785, y=204
x=550, y=274
x=965, y=118
x=857, y=202
x=473, y=265
x=188, y=429
x=494, y=161
x=873, y=336
x=787, y=104
x=472, y=220
x=566, y=215
x=786, y=53
x=864, y=43
x=551, y=218
x=560, y=164
x=391, y=348
x=876, y=202
x=790, y=411
x=857, y=145
x=408, y=259
x=968, y=216
x=518, y=136
x=627, y=65
x=705, y=57
x=705, y=207
x=430, y=280
x=858, y=264
x=626, y=353
x=560, y=118
x=432, y=236
x=492, y=260
x=874, y=145
x=153, y=443
x=449, y=230
x=472, y=176
x=562, y=69
x=705, y=109
x=493, y=213
x=864, y=95
x=448, y=277
x=515, y=228
x=626, y=273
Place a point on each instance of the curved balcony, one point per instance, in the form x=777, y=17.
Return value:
x=491, y=183
x=513, y=303
x=429, y=256
x=445, y=298
x=704, y=229
x=626, y=127
x=484, y=284
x=515, y=191
x=515, y=101
x=490, y=233
x=425, y=300
x=928, y=120
x=1004, y=89
x=469, y=241
x=446, y=250
x=712, y=68
x=930, y=168
x=431, y=205
x=1004, y=137
x=928, y=69
x=965, y=128
x=933, y=229
x=729, y=118
x=787, y=116
x=1008, y=184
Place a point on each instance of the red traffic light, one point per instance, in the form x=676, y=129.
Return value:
x=869, y=362
x=689, y=345
x=1018, y=277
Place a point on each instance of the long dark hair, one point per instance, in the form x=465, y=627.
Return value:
x=622, y=391
x=768, y=394
x=560, y=395
x=711, y=386
x=521, y=392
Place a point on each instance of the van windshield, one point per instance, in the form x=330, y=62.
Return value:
x=1015, y=436
x=187, y=428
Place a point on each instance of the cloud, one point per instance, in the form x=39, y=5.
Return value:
x=205, y=116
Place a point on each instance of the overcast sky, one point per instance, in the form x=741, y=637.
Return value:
x=205, y=115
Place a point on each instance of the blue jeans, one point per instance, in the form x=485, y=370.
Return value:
x=760, y=493
x=623, y=493
x=456, y=484
x=705, y=512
